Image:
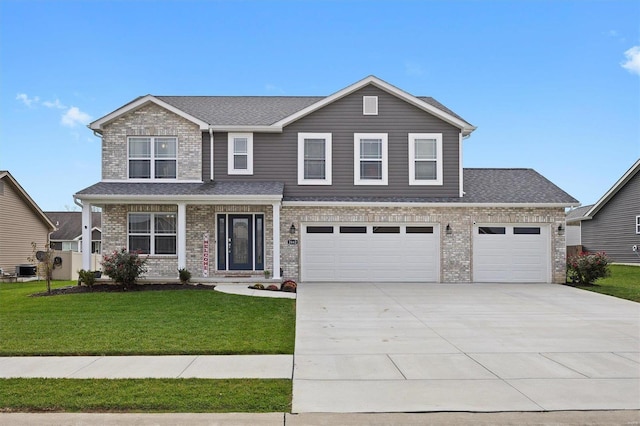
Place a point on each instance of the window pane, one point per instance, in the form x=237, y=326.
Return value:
x=526, y=231
x=140, y=147
x=314, y=149
x=140, y=243
x=319, y=229
x=425, y=170
x=165, y=169
x=371, y=148
x=165, y=244
x=371, y=170
x=165, y=223
x=386, y=229
x=259, y=237
x=419, y=229
x=165, y=147
x=491, y=230
x=239, y=145
x=425, y=149
x=139, y=223
x=314, y=169
x=240, y=162
x=139, y=169
x=353, y=229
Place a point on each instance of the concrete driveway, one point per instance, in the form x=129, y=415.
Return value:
x=463, y=347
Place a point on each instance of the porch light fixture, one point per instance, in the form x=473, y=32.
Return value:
x=560, y=229
x=292, y=229
x=448, y=229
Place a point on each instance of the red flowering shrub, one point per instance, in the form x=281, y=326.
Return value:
x=586, y=268
x=123, y=267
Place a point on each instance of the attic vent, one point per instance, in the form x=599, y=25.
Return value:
x=370, y=105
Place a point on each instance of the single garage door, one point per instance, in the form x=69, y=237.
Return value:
x=511, y=253
x=399, y=253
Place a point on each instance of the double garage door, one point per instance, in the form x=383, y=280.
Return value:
x=411, y=253
x=401, y=253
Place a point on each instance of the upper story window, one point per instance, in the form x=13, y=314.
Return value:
x=369, y=105
x=425, y=159
x=152, y=233
x=637, y=224
x=153, y=157
x=314, y=158
x=240, y=161
x=370, y=159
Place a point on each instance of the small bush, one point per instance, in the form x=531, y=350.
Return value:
x=586, y=268
x=87, y=277
x=124, y=267
x=185, y=275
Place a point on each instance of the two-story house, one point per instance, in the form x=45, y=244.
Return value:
x=366, y=184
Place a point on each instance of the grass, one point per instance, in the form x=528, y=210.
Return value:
x=145, y=395
x=624, y=282
x=142, y=323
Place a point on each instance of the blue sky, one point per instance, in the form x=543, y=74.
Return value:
x=551, y=85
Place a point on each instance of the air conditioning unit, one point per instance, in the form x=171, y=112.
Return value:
x=26, y=270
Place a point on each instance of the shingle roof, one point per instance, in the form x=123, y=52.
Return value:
x=233, y=188
x=254, y=110
x=69, y=224
x=481, y=186
x=578, y=213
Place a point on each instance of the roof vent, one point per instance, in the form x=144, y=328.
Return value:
x=370, y=105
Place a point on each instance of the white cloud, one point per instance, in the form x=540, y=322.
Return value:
x=54, y=104
x=74, y=116
x=25, y=99
x=632, y=64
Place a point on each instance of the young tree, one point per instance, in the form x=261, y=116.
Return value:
x=45, y=260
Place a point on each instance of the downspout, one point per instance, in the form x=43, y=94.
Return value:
x=211, y=149
x=461, y=138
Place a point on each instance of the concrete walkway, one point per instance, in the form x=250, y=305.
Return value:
x=468, y=347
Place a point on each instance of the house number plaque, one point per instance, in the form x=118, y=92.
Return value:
x=292, y=242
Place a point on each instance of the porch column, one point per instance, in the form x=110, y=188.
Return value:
x=276, y=241
x=182, y=235
x=86, y=236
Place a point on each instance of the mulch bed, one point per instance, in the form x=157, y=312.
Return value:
x=113, y=288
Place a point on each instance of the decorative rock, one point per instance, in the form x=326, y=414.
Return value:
x=289, y=286
x=257, y=286
x=273, y=287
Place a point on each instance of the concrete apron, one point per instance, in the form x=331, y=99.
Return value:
x=467, y=347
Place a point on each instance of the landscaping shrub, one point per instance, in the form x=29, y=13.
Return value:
x=124, y=267
x=185, y=275
x=87, y=277
x=586, y=268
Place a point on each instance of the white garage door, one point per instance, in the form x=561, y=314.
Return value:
x=399, y=253
x=511, y=253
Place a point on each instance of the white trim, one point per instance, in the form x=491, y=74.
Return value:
x=231, y=153
x=253, y=215
x=276, y=241
x=637, y=224
x=416, y=204
x=152, y=233
x=151, y=180
x=327, y=157
x=357, y=180
x=445, y=116
x=172, y=199
x=412, y=159
x=243, y=129
x=26, y=197
x=461, y=178
x=373, y=102
x=613, y=191
x=182, y=235
x=211, y=147
x=86, y=236
x=152, y=159
x=99, y=124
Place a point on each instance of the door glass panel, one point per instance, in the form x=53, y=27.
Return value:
x=386, y=229
x=491, y=230
x=319, y=229
x=259, y=238
x=240, y=240
x=353, y=229
x=526, y=230
x=419, y=229
x=222, y=243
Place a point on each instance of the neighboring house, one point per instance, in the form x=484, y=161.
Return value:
x=68, y=233
x=612, y=225
x=21, y=223
x=366, y=184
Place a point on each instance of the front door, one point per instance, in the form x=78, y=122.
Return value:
x=240, y=239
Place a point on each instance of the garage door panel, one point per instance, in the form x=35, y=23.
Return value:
x=520, y=254
x=379, y=256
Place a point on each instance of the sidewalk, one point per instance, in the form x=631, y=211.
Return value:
x=137, y=367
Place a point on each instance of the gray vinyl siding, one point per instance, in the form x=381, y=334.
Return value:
x=612, y=229
x=206, y=157
x=19, y=226
x=276, y=158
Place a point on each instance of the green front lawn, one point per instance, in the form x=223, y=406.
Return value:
x=142, y=323
x=146, y=395
x=624, y=283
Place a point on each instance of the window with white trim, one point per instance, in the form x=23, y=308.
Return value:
x=240, y=161
x=152, y=233
x=425, y=158
x=369, y=105
x=314, y=158
x=370, y=157
x=637, y=224
x=152, y=157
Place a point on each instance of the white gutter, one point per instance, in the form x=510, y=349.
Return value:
x=211, y=149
